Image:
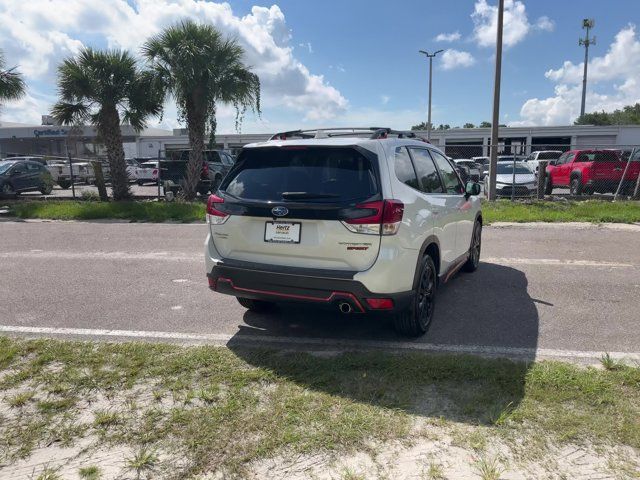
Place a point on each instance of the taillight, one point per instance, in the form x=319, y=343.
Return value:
x=154, y=174
x=376, y=218
x=215, y=216
x=205, y=170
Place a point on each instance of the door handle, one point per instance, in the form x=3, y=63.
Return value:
x=435, y=212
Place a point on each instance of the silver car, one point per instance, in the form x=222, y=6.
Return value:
x=522, y=180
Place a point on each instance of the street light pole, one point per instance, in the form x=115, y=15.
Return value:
x=493, y=163
x=430, y=56
x=587, y=24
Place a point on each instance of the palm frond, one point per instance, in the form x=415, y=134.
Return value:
x=70, y=113
x=12, y=84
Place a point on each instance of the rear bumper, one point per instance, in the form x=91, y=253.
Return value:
x=604, y=185
x=299, y=285
x=520, y=191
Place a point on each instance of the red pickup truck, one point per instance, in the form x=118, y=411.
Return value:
x=589, y=171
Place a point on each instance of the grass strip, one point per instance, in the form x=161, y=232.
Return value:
x=593, y=211
x=88, y=210
x=221, y=408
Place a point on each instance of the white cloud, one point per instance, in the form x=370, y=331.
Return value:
x=385, y=99
x=456, y=59
x=448, y=37
x=545, y=24
x=516, y=24
x=37, y=34
x=617, y=74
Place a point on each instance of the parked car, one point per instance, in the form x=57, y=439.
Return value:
x=17, y=176
x=146, y=172
x=533, y=160
x=28, y=158
x=365, y=223
x=173, y=172
x=132, y=165
x=589, y=171
x=475, y=169
x=463, y=171
x=219, y=162
x=523, y=183
x=484, y=161
x=59, y=170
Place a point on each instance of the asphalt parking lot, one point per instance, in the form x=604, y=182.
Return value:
x=553, y=290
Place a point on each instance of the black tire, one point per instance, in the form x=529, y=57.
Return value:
x=7, y=190
x=575, y=186
x=140, y=182
x=415, y=320
x=548, y=186
x=471, y=265
x=64, y=184
x=203, y=191
x=46, y=188
x=258, y=306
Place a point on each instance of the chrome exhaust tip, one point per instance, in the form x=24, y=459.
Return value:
x=345, y=307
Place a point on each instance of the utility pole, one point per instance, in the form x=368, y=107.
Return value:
x=493, y=164
x=587, y=24
x=430, y=56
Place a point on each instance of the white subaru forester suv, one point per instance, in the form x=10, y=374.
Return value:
x=366, y=220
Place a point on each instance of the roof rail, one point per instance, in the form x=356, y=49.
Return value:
x=370, y=132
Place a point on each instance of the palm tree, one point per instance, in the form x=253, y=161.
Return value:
x=198, y=67
x=107, y=88
x=12, y=86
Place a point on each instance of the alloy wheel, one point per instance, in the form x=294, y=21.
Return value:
x=476, y=244
x=425, y=296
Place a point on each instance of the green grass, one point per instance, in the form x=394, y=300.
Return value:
x=593, y=211
x=89, y=210
x=501, y=211
x=222, y=408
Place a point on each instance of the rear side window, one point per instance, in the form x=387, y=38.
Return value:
x=426, y=170
x=212, y=156
x=598, y=157
x=314, y=174
x=548, y=155
x=404, y=168
x=449, y=176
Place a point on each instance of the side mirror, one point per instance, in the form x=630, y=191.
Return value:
x=553, y=162
x=472, y=188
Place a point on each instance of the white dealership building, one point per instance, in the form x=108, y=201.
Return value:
x=53, y=140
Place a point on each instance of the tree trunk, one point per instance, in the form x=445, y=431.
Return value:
x=102, y=190
x=195, y=125
x=109, y=130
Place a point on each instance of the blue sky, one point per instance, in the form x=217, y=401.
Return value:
x=356, y=62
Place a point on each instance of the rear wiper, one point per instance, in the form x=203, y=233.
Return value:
x=305, y=195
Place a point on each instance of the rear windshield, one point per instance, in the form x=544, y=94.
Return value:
x=504, y=168
x=316, y=174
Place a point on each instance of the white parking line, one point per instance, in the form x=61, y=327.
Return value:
x=164, y=256
x=555, y=262
x=327, y=343
x=181, y=257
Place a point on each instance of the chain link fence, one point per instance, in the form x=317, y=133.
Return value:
x=606, y=172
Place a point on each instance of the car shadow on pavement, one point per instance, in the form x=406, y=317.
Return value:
x=489, y=312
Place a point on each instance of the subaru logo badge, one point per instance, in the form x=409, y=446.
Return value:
x=279, y=211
